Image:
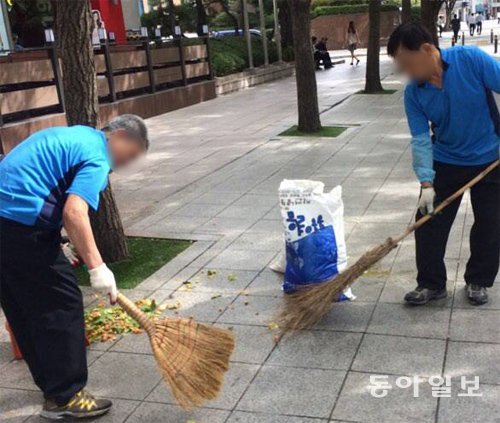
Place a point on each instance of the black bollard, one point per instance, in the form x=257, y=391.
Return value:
x=496, y=44
x=491, y=36
x=463, y=38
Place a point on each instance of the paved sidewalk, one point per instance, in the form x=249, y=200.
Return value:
x=213, y=176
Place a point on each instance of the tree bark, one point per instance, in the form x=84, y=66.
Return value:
x=373, y=84
x=285, y=22
x=201, y=15
x=450, y=6
x=74, y=29
x=406, y=11
x=305, y=74
x=429, y=13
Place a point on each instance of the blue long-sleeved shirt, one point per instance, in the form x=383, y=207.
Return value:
x=459, y=115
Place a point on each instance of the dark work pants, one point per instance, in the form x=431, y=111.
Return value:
x=432, y=237
x=43, y=305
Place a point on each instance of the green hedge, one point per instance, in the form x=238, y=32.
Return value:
x=415, y=14
x=229, y=54
x=350, y=9
x=320, y=3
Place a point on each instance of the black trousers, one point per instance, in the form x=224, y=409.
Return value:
x=44, y=307
x=431, y=238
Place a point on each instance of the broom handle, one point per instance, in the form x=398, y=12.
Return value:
x=136, y=313
x=446, y=202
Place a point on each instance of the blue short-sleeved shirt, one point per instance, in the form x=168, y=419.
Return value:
x=464, y=131
x=39, y=173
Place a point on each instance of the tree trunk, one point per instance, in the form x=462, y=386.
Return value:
x=305, y=74
x=429, y=13
x=74, y=29
x=285, y=21
x=450, y=6
x=225, y=7
x=406, y=11
x=373, y=84
x=201, y=17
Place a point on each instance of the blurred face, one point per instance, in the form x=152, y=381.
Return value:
x=419, y=65
x=123, y=148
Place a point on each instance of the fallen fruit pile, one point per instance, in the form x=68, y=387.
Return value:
x=105, y=323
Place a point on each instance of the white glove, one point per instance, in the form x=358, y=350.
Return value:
x=103, y=280
x=426, y=201
x=70, y=254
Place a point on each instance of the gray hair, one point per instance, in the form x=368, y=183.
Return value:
x=133, y=124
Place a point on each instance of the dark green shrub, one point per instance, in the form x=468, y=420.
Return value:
x=350, y=9
x=415, y=14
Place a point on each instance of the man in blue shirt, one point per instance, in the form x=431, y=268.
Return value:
x=48, y=181
x=454, y=124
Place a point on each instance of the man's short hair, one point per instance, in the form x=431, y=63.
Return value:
x=410, y=36
x=133, y=124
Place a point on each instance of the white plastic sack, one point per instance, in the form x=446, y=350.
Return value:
x=314, y=233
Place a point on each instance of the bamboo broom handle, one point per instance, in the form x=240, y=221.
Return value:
x=445, y=203
x=136, y=313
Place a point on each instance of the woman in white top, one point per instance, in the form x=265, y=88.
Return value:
x=352, y=40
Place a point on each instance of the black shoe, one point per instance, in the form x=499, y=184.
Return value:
x=81, y=406
x=421, y=295
x=352, y=63
x=357, y=63
x=477, y=294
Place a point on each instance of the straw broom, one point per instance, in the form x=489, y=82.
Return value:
x=308, y=305
x=192, y=357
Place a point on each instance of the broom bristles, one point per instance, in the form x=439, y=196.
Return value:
x=192, y=358
x=304, y=308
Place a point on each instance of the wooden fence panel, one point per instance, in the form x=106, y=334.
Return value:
x=128, y=59
x=194, y=70
x=27, y=71
x=168, y=74
x=33, y=98
x=131, y=81
x=195, y=52
x=164, y=55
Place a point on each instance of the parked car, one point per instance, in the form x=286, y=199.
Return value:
x=231, y=33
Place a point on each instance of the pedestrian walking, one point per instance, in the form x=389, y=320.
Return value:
x=479, y=23
x=444, y=83
x=440, y=24
x=352, y=41
x=472, y=24
x=48, y=181
x=455, y=27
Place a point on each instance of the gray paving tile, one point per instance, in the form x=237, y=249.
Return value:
x=400, y=355
x=6, y=353
x=293, y=391
x=355, y=403
x=120, y=375
x=367, y=289
x=154, y=412
x=473, y=359
x=242, y=259
x=118, y=414
x=351, y=316
x=248, y=417
x=475, y=325
x=251, y=310
x=226, y=226
x=317, y=349
x=17, y=405
x=16, y=375
x=133, y=343
x=202, y=306
x=253, y=343
x=401, y=319
x=215, y=280
x=484, y=409
x=236, y=381
x=259, y=242
x=268, y=283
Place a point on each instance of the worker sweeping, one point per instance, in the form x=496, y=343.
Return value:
x=450, y=96
x=49, y=180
